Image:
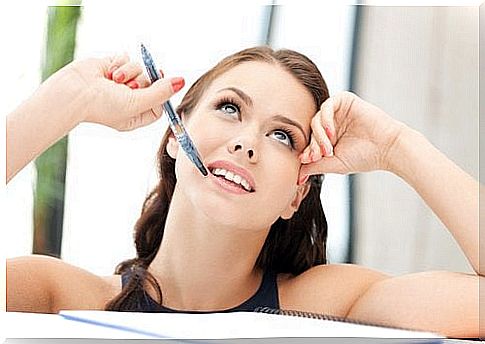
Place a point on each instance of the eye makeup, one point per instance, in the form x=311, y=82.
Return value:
x=228, y=101
x=292, y=137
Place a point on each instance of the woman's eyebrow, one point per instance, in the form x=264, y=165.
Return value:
x=289, y=121
x=247, y=99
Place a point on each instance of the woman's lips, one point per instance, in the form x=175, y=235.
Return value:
x=228, y=185
x=234, y=168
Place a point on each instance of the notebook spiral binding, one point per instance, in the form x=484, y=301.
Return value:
x=269, y=310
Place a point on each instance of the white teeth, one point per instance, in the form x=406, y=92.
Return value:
x=229, y=175
x=218, y=171
x=245, y=184
x=232, y=177
x=236, y=179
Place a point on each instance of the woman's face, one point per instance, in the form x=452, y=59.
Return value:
x=252, y=122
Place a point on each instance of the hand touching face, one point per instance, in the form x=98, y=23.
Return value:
x=349, y=135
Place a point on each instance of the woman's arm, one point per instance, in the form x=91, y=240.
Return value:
x=49, y=114
x=365, y=138
x=443, y=302
x=449, y=191
x=43, y=284
x=108, y=91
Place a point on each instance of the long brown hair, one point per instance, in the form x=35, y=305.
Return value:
x=292, y=246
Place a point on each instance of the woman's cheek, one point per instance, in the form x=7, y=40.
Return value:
x=289, y=163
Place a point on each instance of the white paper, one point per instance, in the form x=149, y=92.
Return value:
x=230, y=325
x=38, y=325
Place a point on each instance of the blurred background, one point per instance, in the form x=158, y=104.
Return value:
x=81, y=199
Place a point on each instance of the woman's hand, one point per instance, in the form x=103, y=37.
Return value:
x=117, y=92
x=349, y=135
x=109, y=91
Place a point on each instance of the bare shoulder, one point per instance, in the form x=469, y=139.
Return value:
x=330, y=289
x=443, y=302
x=40, y=283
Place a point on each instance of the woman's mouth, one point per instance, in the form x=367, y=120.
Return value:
x=231, y=181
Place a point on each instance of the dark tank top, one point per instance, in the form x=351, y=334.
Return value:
x=265, y=296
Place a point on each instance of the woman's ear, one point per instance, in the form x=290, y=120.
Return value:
x=172, y=146
x=301, y=193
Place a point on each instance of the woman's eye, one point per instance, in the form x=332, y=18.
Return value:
x=282, y=136
x=229, y=108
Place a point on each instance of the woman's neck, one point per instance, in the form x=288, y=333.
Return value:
x=202, y=264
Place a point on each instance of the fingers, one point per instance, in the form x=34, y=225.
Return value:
x=327, y=111
x=320, y=145
x=146, y=99
x=116, y=62
x=131, y=74
x=127, y=72
x=152, y=97
x=324, y=165
x=324, y=134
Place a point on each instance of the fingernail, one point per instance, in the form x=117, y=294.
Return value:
x=110, y=71
x=133, y=84
x=329, y=150
x=302, y=155
x=303, y=180
x=315, y=156
x=328, y=132
x=118, y=76
x=324, y=149
x=177, y=84
x=306, y=157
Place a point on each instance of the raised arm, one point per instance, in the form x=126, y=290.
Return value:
x=109, y=91
x=448, y=190
x=350, y=135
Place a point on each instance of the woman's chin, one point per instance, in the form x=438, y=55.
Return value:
x=224, y=214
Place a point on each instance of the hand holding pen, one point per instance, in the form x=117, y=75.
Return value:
x=123, y=71
x=125, y=104
x=110, y=91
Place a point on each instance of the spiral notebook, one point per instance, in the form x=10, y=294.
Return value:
x=263, y=323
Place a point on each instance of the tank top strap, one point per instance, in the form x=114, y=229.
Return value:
x=267, y=294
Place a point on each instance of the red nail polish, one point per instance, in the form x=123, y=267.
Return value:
x=119, y=76
x=133, y=84
x=324, y=150
x=110, y=72
x=177, y=84
x=303, y=180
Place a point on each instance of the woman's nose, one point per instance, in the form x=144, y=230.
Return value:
x=245, y=148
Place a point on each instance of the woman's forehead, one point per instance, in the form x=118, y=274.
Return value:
x=256, y=72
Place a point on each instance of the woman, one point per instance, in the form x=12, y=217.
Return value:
x=252, y=233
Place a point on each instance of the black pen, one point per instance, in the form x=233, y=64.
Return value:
x=173, y=119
